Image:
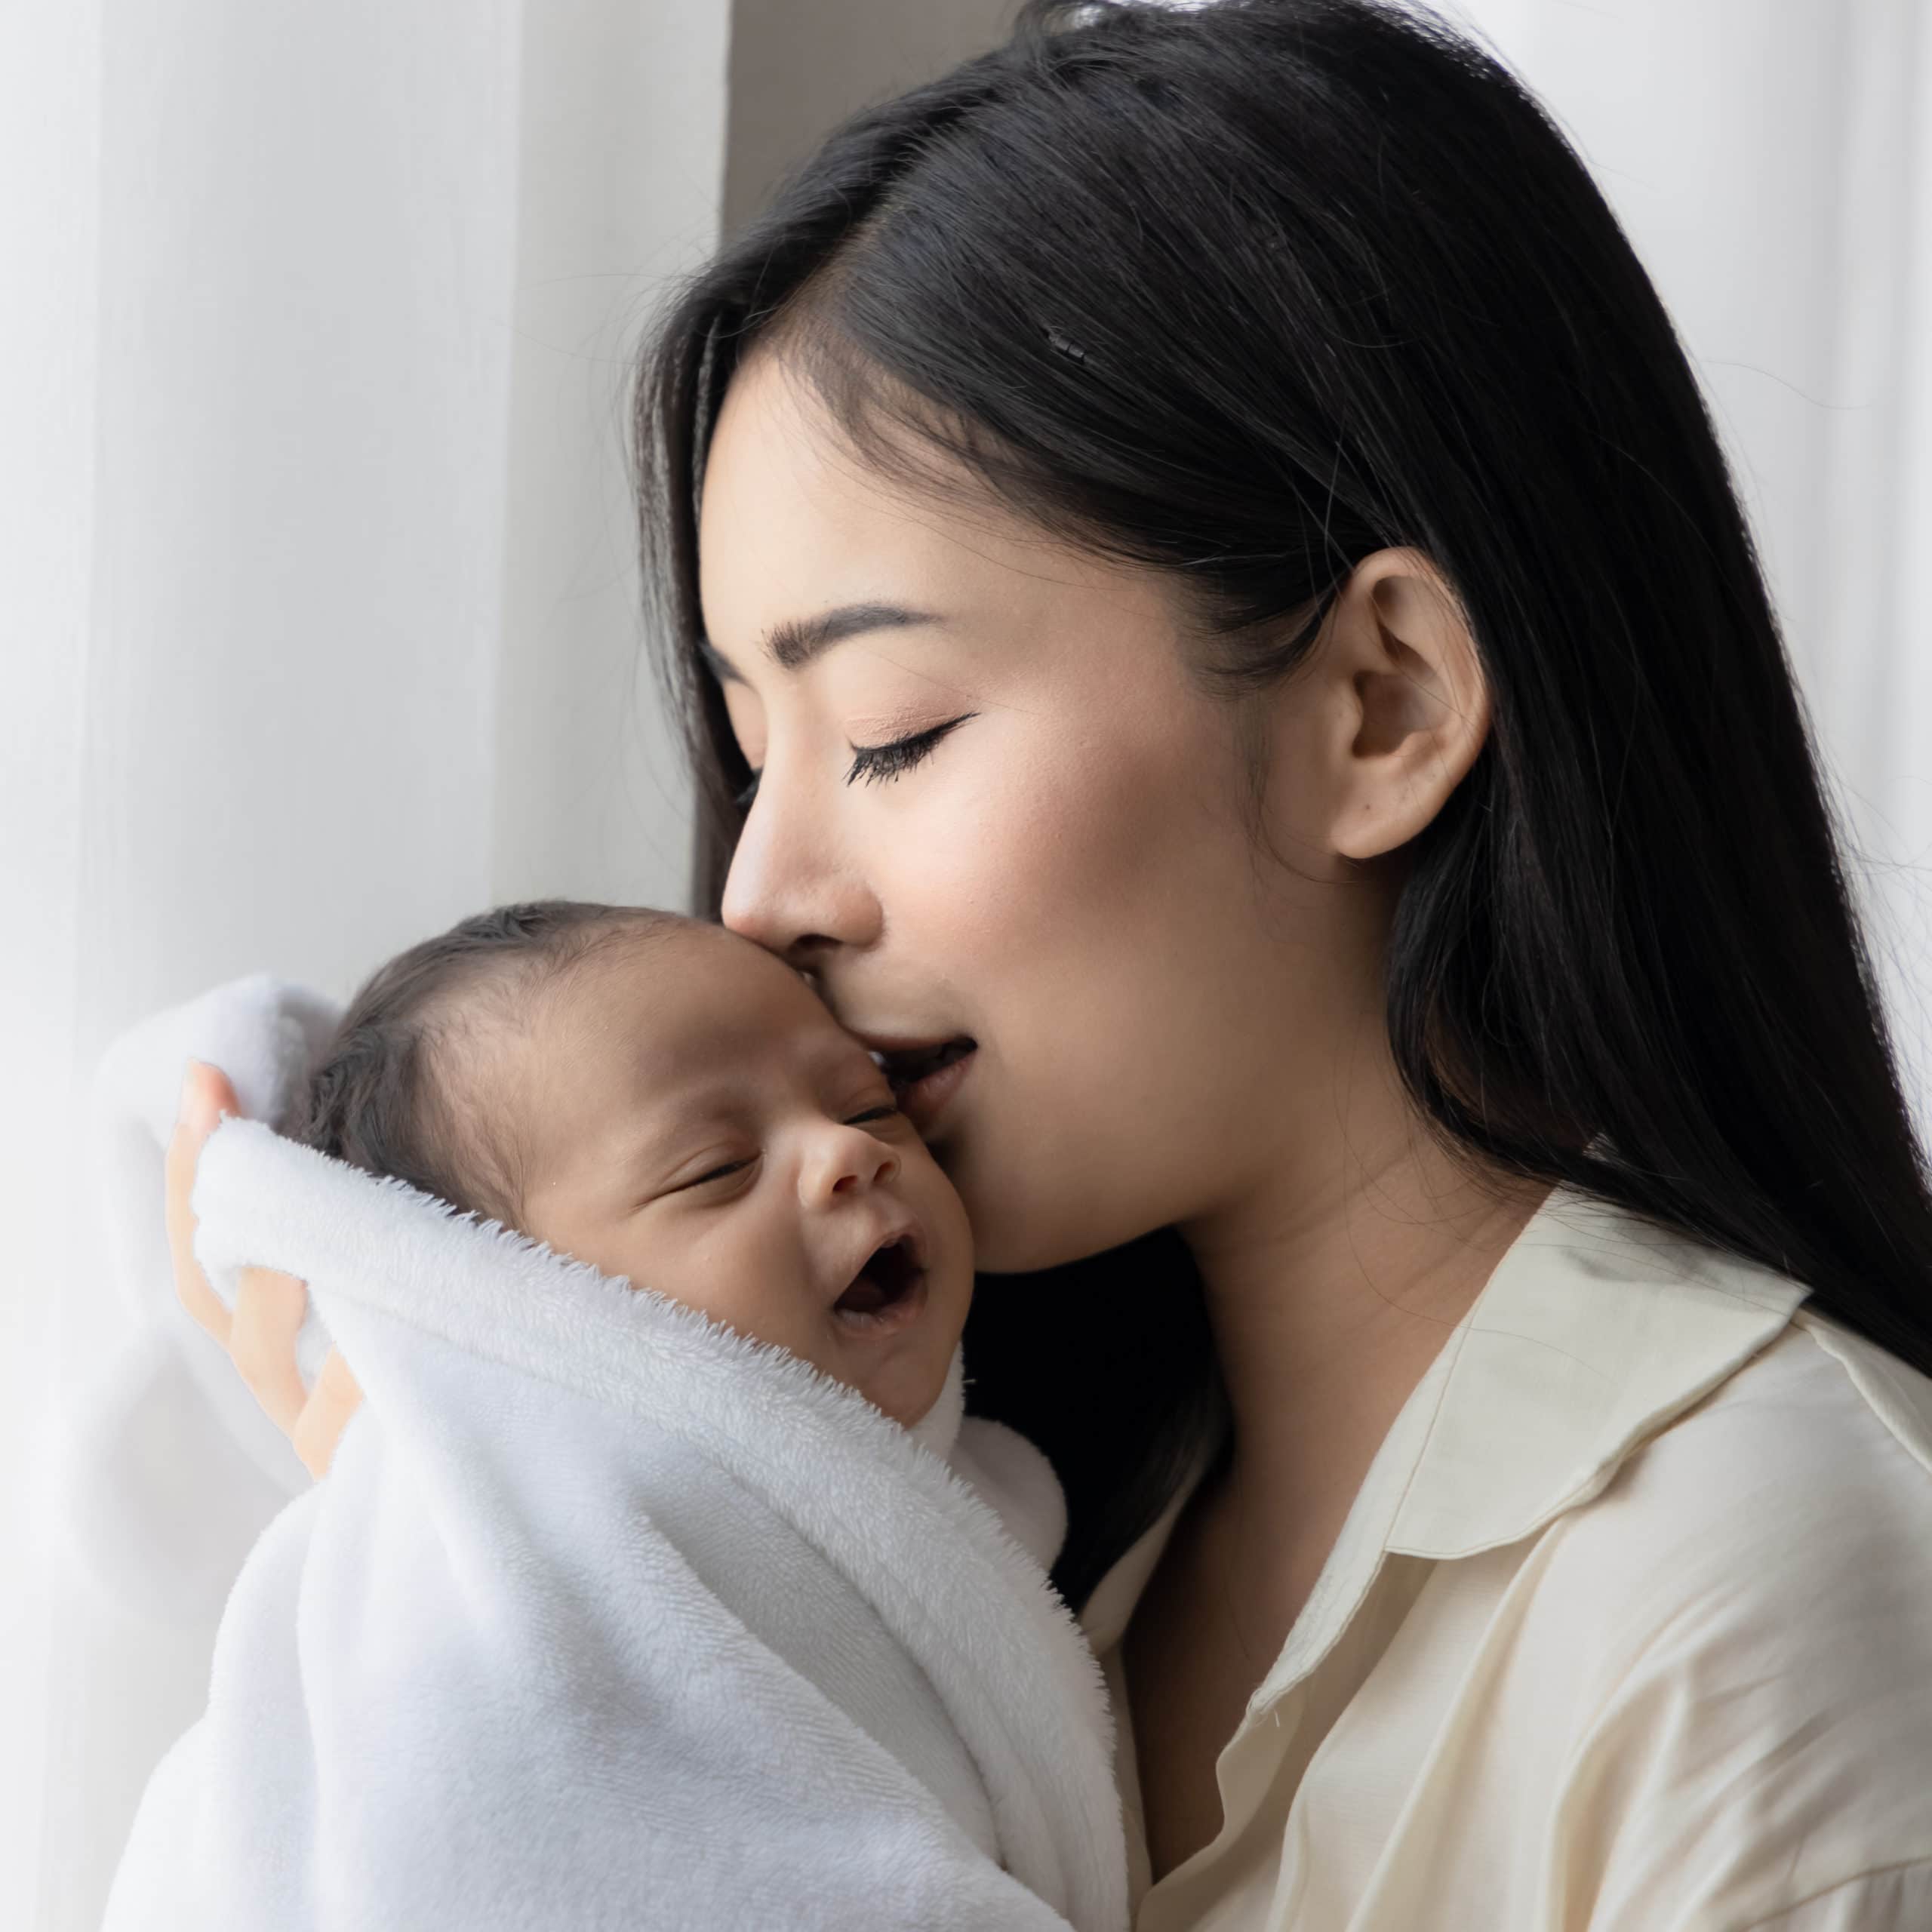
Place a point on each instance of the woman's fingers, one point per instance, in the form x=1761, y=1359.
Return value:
x=206, y=1095
x=268, y=1310
x=259, y=1334
x=331, y=1402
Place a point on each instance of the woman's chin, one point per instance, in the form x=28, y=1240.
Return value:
x=1015, y=1232
x=1042, y=1198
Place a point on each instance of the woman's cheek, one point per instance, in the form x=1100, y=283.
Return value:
x=1036, y=816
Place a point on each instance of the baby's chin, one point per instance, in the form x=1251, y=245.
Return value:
x=911, y=1376
x=908, y=1387
x=898, y=1354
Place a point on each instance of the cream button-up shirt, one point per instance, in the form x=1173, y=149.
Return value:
x=1629, y=1628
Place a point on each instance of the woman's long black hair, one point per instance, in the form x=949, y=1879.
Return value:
x=1247, y=291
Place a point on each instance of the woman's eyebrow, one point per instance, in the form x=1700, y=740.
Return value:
x=793, y=642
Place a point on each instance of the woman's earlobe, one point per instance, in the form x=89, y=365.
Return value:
x=1420, y=702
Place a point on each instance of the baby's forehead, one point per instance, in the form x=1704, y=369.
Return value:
x=685, y=998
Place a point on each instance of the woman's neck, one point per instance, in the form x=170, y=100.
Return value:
x=1329, y=1291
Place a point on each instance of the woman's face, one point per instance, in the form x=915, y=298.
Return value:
x=997, y=809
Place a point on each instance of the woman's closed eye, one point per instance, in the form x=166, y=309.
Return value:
x=877, y=763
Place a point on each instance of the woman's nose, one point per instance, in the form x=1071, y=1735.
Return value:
x=789, y=892
x=845, y=1162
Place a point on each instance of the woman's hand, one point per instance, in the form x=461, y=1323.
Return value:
x=259, y=1334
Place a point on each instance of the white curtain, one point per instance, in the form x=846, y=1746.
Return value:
x=316, y=618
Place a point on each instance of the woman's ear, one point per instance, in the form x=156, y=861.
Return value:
x=1401, y=706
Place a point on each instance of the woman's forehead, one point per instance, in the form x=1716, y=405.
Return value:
x=794, y=521
x=785, y=506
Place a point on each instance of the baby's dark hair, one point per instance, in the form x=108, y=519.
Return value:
x=397, y=1090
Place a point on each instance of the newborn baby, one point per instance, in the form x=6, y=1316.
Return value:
x=671, y=1104
x=661, y=1582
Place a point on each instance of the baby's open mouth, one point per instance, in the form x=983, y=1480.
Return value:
x=891, y=1273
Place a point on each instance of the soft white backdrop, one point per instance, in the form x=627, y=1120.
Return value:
x=316, y=618
x=317, y=612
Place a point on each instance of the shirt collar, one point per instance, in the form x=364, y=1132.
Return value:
x=1596, y=1330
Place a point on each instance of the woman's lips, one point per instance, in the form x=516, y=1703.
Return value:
x=925, y=1073
x=922, y=1100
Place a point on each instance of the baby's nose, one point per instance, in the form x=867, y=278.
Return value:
x=849, y=1161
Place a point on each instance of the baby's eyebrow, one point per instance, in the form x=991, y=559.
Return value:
x=793, y=642
x=667, y=1120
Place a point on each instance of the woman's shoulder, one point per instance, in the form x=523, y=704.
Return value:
x=1796, y=1498
x=1753, y=1593
x=1822, y=1442
x=1713, y=1409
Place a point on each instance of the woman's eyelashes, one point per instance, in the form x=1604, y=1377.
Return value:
x=876, y=763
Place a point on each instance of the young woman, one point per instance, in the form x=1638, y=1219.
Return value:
x=1214, y=625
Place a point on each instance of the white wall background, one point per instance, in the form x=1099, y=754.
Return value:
x=316, y=622
x=798, y=65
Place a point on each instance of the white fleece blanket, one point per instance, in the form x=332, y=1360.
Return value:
x=604, y=1616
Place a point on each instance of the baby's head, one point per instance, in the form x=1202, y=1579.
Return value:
x=668, y=1102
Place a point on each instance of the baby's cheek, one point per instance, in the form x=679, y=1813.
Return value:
x=742, y=1266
